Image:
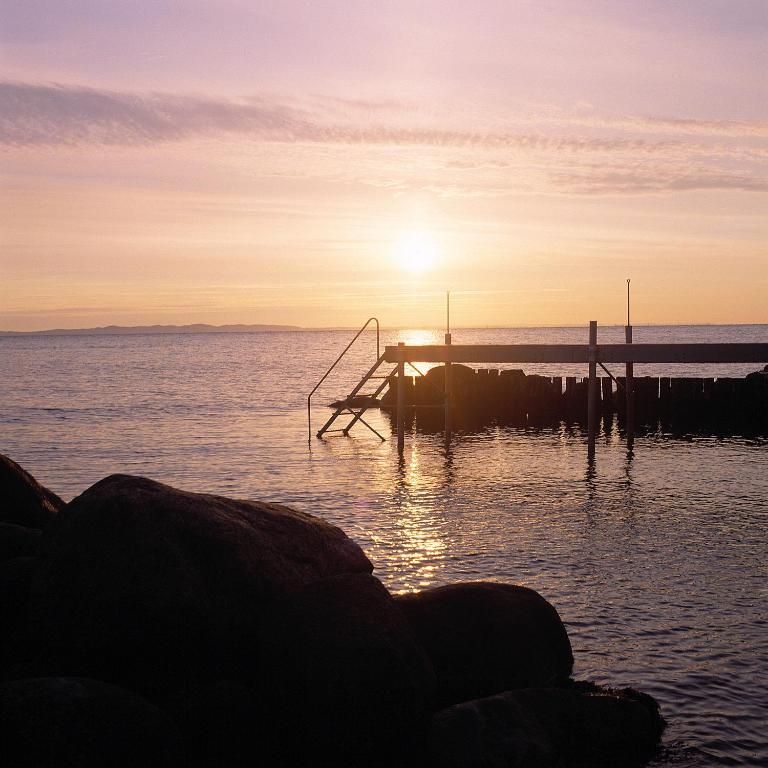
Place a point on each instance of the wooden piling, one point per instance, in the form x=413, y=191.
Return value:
x=401, y=397
x=592, y=390
x=606, y=386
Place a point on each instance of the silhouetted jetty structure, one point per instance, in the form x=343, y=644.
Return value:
x=457, y=394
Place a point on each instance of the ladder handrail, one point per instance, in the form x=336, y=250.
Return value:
x=336, y=362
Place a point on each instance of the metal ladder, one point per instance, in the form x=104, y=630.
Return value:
x=354, y=404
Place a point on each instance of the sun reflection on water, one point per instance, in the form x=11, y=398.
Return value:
x=421, y=533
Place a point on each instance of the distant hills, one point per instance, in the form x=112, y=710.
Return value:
x=128, y=330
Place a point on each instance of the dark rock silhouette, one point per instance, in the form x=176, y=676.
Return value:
x=148, y=586
x=16, y=577
x=23, y=501
x=18, y=541
x=345, y=666
x=260, y=637
x=79, y=723
x=483, y=638
x=222, y=723
x=575, y=727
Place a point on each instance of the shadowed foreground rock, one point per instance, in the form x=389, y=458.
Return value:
x=150, y=587
x=79, y=723
x=548, y=728
x=484, y=638
x=264, y=640
x=23, y=501
x=15, y=579
x=347, y=676
x=18, y=541
x=223, y=725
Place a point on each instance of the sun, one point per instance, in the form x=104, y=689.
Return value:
x=417, y=251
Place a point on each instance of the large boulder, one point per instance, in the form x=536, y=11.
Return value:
x=79, y=723
x=18, y=541
x=150, y=587
x=495, y=732
x=222, y=724
x=23, y=501
x=484, y=638
x=16, y=576
x=548, y=728
x=351, y=686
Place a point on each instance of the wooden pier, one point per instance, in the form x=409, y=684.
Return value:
x=450, y=384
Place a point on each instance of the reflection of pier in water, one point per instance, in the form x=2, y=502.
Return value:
x=454, y=395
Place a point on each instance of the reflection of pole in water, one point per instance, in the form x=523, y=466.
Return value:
x=448, y=383
x=629, y=380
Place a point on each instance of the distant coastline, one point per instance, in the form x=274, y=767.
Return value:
x=129, y=330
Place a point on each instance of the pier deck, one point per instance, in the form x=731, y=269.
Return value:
x=591, y=354
x=579, y=353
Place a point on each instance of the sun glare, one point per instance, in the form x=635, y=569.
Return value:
x=417, y=251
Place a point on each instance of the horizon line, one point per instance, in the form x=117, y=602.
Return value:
x=206, y=328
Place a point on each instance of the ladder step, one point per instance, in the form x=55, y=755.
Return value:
x=357, y=401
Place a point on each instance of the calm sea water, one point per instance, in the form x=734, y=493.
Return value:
x=656, y=560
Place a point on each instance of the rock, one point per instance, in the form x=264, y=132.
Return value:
x=15, y=579
x=484, y=638
x=79, y=723
x=459, y=374
x=23, y=501
x=17, y=541
x=350, y=683
x=150, y=587
x=599, y=726
x=547, y=727
x=494, y=732
x=222, y=724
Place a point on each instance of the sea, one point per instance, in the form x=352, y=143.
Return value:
x=656, y=557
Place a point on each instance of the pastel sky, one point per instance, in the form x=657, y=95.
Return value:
x=313, y=163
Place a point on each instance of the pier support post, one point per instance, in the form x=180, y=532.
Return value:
x=448, y=394
x=629, y=385
x=592, y=390
x=400, y=396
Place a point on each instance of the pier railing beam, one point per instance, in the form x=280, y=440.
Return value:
x=400, y=396
x=592, y=390
x=630, y=392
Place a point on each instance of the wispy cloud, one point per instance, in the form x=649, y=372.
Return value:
x=66, y=115
x=398, y=148
x=595, y=182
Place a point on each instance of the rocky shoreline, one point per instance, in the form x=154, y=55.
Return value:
x=147, y=626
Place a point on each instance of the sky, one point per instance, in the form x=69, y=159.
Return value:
x=314, y=163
